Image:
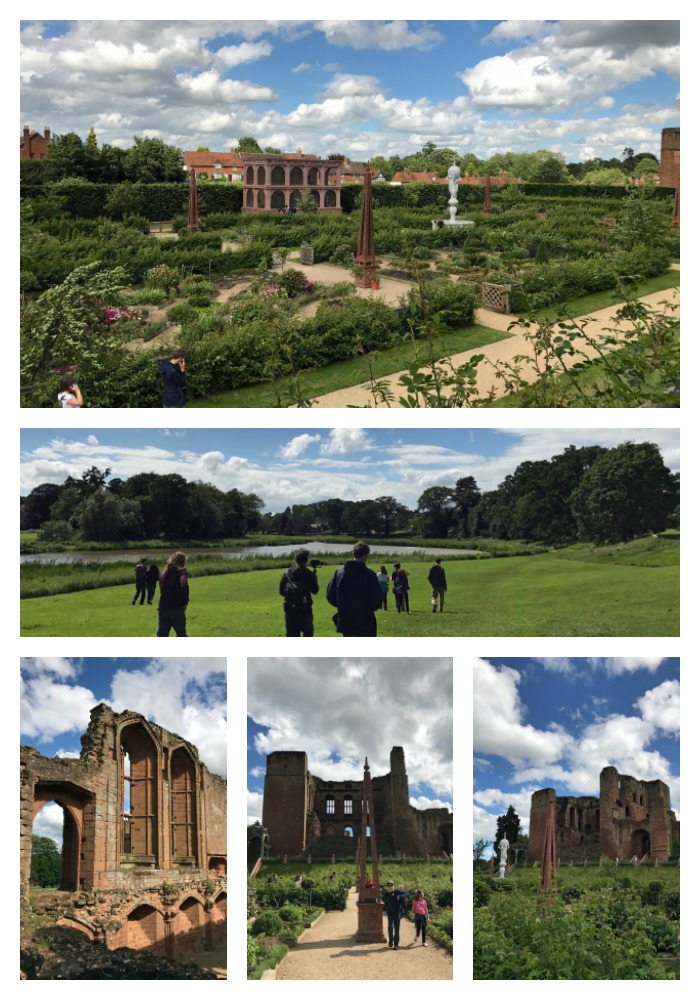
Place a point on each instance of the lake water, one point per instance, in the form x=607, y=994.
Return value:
x=316, y=549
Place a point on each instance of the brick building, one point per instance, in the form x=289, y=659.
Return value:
x=305, y=814
x=33, y=145
x=215, y=166
x=670, y=169
x=630, y=818
x=144, y=834
x=275, y=181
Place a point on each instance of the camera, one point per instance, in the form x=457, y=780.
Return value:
x=315, y=563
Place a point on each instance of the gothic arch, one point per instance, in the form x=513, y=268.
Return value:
x=139, y=769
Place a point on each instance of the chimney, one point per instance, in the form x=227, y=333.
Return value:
x=26, y=132
x=47, y=134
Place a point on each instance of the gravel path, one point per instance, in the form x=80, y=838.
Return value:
x=328, y=951
x=501, y=350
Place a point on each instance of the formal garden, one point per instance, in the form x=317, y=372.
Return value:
x=284, y=899
x=105, y=298
x=597, y=922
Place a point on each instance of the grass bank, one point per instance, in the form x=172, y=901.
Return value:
x=631, y=592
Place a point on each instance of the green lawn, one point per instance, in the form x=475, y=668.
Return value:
x=551, y=594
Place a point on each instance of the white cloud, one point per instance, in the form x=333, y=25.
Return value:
x=340, y=711
x=298, y=445
x=661, y=706
x=344, y=440
x=615, y=665
x=387, y=35
x=91, y=439
x=235, y=55
x=423, y=802
x=49, y=707
x=302, y=67
x=350, y=85
x=49, y=823
x=255, y=802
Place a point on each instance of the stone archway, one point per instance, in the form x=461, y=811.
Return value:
x=76, y=804
x=445, y=835
x=640, y=843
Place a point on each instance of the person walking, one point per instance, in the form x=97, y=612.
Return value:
x=397, y=570
x=152, y=577
x=297, y=585
x=174, y=596
x=69, y=394
x=401, y=590
x=420, y=914
x=172, y=371
x=354, y=590
x=383, y=578
x=438, y=581
x=394, y=900
x=140, y=574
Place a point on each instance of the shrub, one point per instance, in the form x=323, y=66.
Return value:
x=294, y=283
x=448, y=303
x=292, y=914
x=268, y=922
x=482, y=893
x=182, y=313
x=571, y=892
x=672, y=905
x=252, y=955
x=162, y=277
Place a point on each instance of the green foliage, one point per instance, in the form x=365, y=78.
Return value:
x=292, y=914
x=482, y=893
x=252, y=953
x=268, y=922
x=46, y=862
x=162, y=277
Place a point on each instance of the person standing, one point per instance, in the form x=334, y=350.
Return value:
x=140, y=574
x=354, y=590
x=297, y=585
x=401, y=590
x=397, y=570
x=152, y=577
x=393, y=900
x=420, y=913
x=383, y=578
x=174, y=596
x=172, y=371
x=69, y=394
x=438, y=581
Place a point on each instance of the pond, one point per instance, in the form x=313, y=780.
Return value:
x=316, y=549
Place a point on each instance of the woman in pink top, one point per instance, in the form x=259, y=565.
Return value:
x=420, y=913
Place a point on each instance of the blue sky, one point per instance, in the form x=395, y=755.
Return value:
x=582, y=88
x=286, y=466
x=557, y=722
x=184, y=695
x=341, y=710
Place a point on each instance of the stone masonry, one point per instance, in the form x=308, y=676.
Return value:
x=144, y=835
x=629, y=819
x=306, y=814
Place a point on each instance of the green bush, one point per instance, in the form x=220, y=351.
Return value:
x=162, y=277
x=252, y=955
x=482, y=893
x=183, y=312
x=292, y=914
x=672, y=905
x=451, y=304
x=268, y=922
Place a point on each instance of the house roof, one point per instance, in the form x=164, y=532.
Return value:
x=410, y=177
x=206, y=159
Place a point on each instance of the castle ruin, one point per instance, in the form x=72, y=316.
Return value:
x=629, y=819
x=144, y=835
x=304, y=814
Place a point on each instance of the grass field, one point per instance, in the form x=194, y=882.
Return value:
x=620, y=590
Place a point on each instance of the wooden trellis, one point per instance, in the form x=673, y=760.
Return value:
x=307, y=253
x=495, y=297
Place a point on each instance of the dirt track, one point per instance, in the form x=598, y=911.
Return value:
x=328, y=951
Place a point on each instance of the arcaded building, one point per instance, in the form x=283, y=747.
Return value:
x=304, y=814
x=144, y=835
x=629, y=819
x=273, y=182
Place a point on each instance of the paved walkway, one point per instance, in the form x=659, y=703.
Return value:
x=501, y=350
x=328, y=951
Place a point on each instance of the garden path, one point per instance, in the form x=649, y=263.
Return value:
x=502, y=350
x=328, y=951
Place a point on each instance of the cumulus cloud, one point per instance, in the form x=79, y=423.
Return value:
x=255, y=802
x=661, y=706
x=340, y=711
x=344, y=440
x=298, y=445
x=352, y=85
x=387, y=35
x=49, y=823
x=235, y=55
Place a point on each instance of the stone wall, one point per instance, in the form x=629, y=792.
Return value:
x=141, y=812
x=304, y=813
x=670, y=169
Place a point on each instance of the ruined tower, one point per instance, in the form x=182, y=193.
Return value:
x=629, y=819
x=670, y=169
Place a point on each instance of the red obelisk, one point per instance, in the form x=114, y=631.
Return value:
x=364, y=258
x=549, y=853
x=369, y=904
x=192, y=207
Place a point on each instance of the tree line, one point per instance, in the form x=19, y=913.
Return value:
x=593, y=494
x=151, y=161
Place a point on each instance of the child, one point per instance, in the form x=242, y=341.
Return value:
x=401, y=590
x=70, y=394
x=383, y=578
x=420, y=911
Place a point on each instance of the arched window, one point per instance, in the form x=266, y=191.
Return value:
x=277, y=176
x=296, y=176
x=261, y=199
x=139, y=794
x=313, y=176
x=261, y=176
x=348, y=832
x=330, y=805
x=329, y=200
x=250, y=175
x=183, y=807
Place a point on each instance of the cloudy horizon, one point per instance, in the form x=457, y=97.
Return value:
x=581, y=88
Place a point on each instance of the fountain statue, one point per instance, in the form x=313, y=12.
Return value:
x=453, y=175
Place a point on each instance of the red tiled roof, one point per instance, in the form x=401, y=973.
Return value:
x=201, y=159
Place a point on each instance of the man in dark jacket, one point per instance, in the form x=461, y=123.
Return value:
x=152, y=578
x=173, y=372
x=354, y=590
x=438, y=581
x=296, y=587
x=394, y=901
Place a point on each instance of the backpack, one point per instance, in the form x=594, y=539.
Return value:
x=296, y=595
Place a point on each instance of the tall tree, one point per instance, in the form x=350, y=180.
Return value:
x=46, y=862
x=152, y=161
x=248, y=144
x=507, y=825
x=466, y=496
x=435, y=514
